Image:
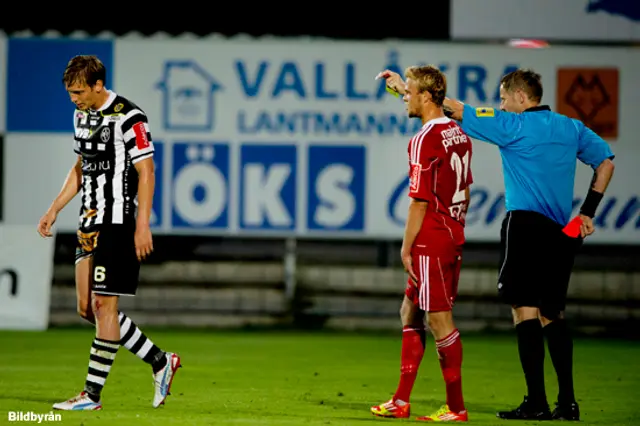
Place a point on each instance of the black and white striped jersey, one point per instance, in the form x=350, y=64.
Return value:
x=111, y=140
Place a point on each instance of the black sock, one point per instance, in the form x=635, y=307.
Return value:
x=140, y=345
x=102, y=355
x=561, y=351
x=531, y=350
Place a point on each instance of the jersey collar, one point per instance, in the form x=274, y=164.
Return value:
x=110, y=99
x=538, y=108
x=439, y=120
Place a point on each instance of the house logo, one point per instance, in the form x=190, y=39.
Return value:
x=626, y=8
x=590, y=95
x=188, y=96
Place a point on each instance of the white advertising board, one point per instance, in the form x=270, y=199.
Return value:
x=566, y=20
x=297, y=138
x=26, y=271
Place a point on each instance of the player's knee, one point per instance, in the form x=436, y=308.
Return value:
x=104, y=306
x=406, y=315
x=440, y=322
x=410, y=315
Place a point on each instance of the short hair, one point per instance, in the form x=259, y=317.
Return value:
x=527, y=80
x=86, y=69
x=430, y=79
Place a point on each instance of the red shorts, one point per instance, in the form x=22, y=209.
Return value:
x=437, y=287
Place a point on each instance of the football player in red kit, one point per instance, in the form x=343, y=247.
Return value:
x=439, y=180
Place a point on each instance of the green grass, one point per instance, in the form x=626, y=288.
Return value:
x=290, y=378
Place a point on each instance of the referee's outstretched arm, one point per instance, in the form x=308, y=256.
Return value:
x=487, y=124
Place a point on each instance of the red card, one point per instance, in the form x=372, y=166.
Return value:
x=573, y=228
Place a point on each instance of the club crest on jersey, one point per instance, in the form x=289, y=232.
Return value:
x=485, y=112
x=118, y=107
x=105, y=134
x=414, y=178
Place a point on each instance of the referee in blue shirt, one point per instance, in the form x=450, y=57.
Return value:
x=539, y=150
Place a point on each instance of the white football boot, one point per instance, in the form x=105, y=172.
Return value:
x=162, y=379
x=78, y=403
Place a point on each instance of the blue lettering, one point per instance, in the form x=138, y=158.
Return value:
x=289, y=80
x=496, y=209
x=606, y=210
x=320, y=123
x=479, y=198
x=242, y=123
x=472, y=77
x=628, y=211
x=394, y=199
x=321, y=91
x=251, y=89
x=601, y=219
x=607, y=218
x=350, y=84
x=487, y=207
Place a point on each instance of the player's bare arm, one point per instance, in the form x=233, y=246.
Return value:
x=415, y=217
x=70, y=188
x=601, y=178
x=146, y=184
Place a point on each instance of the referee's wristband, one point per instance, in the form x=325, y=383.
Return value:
x=591, y=203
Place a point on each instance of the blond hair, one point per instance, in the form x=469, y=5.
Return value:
x=429, y=79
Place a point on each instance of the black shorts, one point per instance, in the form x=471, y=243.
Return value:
x=536, y=259
x=116, y=268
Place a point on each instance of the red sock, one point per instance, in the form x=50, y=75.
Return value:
x=413, y=341
x=450, y=354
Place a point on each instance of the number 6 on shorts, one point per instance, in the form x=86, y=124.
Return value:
x=99, y=274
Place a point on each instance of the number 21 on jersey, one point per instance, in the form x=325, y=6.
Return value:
x=460, y=165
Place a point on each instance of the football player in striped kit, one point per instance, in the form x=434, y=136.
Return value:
x=114, y=171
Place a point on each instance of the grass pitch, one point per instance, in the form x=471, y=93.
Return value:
x=294, y=378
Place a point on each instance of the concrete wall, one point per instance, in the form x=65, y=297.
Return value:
x=228, y=294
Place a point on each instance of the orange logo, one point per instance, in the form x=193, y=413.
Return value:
x=590, y=95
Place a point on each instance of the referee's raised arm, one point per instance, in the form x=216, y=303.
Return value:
x=520, y=91
x=486, y=124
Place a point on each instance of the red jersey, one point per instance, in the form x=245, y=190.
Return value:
x=440, y=173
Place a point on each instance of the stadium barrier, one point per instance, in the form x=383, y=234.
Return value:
x=295, y=285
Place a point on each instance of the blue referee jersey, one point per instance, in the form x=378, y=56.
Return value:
x=539, y=149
